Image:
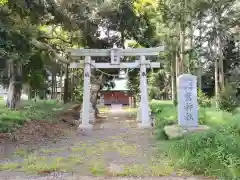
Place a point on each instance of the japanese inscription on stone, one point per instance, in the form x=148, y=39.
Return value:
x=187, y=101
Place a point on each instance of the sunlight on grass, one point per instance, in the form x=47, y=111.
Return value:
x=30, y=110
x=21, y=152
x=133, y=170
x=103, y=146
x=217, y=117
x=9, y=166
x=98, y=168
x=92, y=151
x=160, y=169
x=45, y=165
x=77, y=149
x=125, y=149
x=40, y=164
x=50, y=151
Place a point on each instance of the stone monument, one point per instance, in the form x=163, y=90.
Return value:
x=187, y=101
x=187, y=109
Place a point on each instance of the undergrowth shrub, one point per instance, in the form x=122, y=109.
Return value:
x=40, y=110
x=215, y=152
x=165, y=114
x=228, y=99
x=203, y=100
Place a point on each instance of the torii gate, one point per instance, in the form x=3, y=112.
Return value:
x=115, y=55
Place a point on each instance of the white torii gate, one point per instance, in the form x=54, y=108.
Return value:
x=115, y=55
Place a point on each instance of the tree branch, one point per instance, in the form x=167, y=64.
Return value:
x=58, y=38
x=47, y=47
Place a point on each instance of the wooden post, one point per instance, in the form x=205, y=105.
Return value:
x=145, y=121
x=86, y=95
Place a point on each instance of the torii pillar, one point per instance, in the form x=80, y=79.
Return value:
x=86, y=98
x=144, y=104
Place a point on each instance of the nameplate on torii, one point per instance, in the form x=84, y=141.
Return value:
x=115, y=56
x=123, y=65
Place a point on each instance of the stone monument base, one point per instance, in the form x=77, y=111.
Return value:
x=175, y=131
x=144, y=126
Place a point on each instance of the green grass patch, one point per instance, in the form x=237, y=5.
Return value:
x=215, y=152
x=36, y=164
x=212, y=153
x=30, y=110
x=8, y=166
x=166, y=114
x=98, y=168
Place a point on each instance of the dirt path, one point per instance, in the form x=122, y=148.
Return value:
x=115, y=147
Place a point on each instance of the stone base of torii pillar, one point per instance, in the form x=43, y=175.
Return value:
x=91, y=114
x=139, y=119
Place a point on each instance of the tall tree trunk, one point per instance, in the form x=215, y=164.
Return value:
x=173, y=79
x=52, y=87
x=221, y=70
x=94, y=94
x=199, y=63
x=29, y=92
x=56, y=87
x=191, y=48
x=72, y=79
x=66, y=85
x=216, y=72
x=122, y=39
x=177, y=69
x=216, y=83
x=93, y=100
x=216, y=43
x=15, y=84
x=182, y=48
x=61, y=83
x=199, y=74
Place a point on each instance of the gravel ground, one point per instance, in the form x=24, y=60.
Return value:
x=72, y=177
x=116, y=126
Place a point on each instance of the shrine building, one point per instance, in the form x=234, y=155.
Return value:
x=120, y=94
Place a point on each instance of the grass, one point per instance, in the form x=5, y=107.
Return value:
x=21, y=152
x=125, y=149
x=212, y=153
x=29, y=110
x=166, y=114
x=87, y=156
x=98, y=168
x=36, y=164
x=9, y=166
